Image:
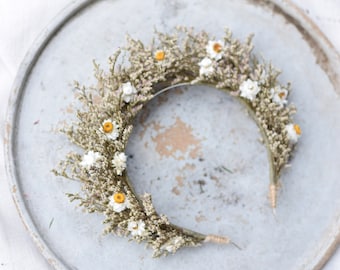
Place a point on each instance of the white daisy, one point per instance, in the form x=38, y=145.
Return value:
x=119, y=162
x=119, y=202
x=90, y=159
x=206, y=67
x=129, y=92
x=294, y=132
x=279, y=95
x=137, y=228
x=249, y=89
x=214, y=49
x=110, y=128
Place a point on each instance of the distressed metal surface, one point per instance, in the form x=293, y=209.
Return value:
x=182, y=141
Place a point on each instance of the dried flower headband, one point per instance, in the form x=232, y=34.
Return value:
x=104, y=126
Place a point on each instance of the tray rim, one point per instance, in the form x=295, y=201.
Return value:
x=327, y=56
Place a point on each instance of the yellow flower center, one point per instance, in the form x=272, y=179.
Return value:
x=282, y=95
x=160, y=55
x=217, y=47
x=119, y=197
x=107, y=127
x=297, y=129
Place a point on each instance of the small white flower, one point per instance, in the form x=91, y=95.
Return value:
x=214, y=49
x=119, y=202
x=110, y=129
x=90, y=159
x=119, y=162
x=206, y=67
x=279, y=95
x=136, y=228
x=249, y=89
x=173, y=244
x=294, y=132
x=129, y=92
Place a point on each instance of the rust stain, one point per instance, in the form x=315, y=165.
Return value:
x=142, y=133
x=177, y=139
x=200, y=218
x=16, y=204
x=69, y=109
x=7, y=133
x=196, y=152
x=162, y=99
x=216, y=180
x=188, y=167
x=156, y=126
x=37, y=241
x=14, y=189
x=180, y=181
x=175, y=191
x=8, y=129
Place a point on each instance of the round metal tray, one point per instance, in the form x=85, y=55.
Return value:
x=184, y=176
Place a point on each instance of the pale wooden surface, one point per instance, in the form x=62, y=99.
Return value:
x=20, y=23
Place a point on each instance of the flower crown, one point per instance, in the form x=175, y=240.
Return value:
x=105, y=123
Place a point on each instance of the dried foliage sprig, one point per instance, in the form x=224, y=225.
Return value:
x=105, y=123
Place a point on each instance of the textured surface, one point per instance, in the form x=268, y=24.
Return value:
x=197, y=143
